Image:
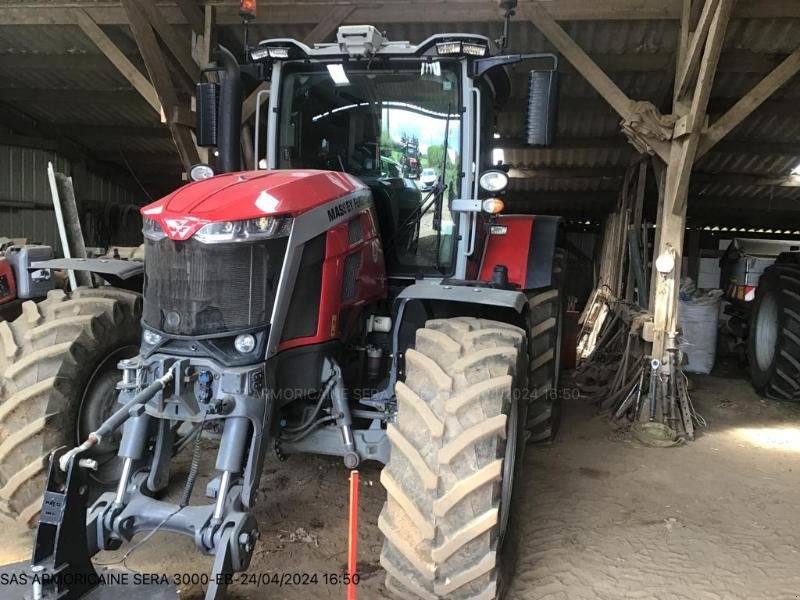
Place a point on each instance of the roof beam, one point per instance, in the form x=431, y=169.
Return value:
x=329, y=24
x=117, y=58
x=153, y=59
x=750, y=101
x=598, y=79
x=31, y=12
x=194, y=15
x=180, y=49
x=691, y=61
x=683, y=151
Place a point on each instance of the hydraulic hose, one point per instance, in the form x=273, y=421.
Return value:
x=117, y=419
x=194, y=468
x=325, y=393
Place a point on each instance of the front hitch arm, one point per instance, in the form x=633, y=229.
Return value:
x=61, y=561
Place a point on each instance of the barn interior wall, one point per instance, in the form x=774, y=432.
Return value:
x=109, y=211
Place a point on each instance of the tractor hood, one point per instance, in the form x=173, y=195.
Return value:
x=247, y=195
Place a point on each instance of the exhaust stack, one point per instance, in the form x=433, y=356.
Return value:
x=230, y=114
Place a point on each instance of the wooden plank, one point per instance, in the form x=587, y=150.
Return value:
x=694, y=53
x=117, y=58
x=154, y=61
x=750, y=102
x=249, y=104
x=329, y=24
x=178, y=47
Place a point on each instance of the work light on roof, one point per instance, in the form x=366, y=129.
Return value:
x=456, y=47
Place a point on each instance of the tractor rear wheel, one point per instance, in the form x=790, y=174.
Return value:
x=456, y=451
x=545, y=326
x=773, y=344
x=57, y=382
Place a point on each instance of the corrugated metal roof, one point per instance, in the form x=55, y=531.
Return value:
x=582, y=114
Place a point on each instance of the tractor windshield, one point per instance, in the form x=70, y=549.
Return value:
x=397, y=128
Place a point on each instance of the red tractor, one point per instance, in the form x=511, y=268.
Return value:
x=321, y=305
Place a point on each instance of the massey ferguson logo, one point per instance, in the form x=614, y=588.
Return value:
x=339, y=210
x=181, y=228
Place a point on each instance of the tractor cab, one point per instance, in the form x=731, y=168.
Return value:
x=414, y=122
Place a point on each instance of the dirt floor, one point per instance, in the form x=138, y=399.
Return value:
x=604, y=517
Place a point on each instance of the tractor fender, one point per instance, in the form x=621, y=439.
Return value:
x=426, y=300
x=434, y=290
x=126, y=274
x=526, y=247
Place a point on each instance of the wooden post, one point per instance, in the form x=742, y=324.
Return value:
x=672, y=220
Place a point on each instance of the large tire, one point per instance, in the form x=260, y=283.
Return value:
x=545, y=327
x=773, y=344
x=455, y=449
x=57, y=365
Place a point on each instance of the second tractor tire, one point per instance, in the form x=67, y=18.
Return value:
x=773, y=344
x=57, y=364
x=545, y=326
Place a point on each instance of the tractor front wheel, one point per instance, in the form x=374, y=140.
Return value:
x=456, y=452
x=58, y=371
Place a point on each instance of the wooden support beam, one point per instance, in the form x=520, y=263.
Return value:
x=556, y=35
x=249, y=104
x=672, y=209
x=153, y=59
x=596, y=77
x=751, y=101
x=687, y=147
x=117, y=58
x=179, y=48
x=694, y=53
x=329, y=24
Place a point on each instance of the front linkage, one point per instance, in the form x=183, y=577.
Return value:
x=181, y=391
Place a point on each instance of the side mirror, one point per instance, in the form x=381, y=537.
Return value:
x=207, y=113
x=542, y=117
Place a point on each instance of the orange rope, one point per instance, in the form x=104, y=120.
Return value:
x=352, y=542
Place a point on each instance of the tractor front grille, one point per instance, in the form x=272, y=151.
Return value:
x=197, y=289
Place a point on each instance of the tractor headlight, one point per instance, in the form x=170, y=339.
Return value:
x=493, y=181
x=492, y=206
x=151, y=338
x=200, y=171
x=151, y=229
x=244, y=343
x=242, y=231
